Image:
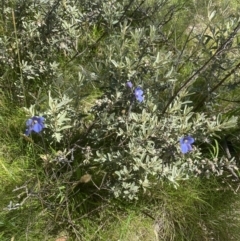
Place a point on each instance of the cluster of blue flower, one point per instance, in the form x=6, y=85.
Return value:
x=36, y=123
x=185, y=144
x=138, y=92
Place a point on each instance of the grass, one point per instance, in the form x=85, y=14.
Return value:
x=131, y=226
x=197, y=210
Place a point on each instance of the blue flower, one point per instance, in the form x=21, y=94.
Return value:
x=138, y=92
x=35, y=124
x=185, y=144
x=129, y=84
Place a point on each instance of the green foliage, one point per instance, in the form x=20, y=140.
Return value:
x=103, y=158
x=143, y=147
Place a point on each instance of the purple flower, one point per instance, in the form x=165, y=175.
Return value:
x=185, y=144
x=35, y=124
x=129, y=84
x=138, y=92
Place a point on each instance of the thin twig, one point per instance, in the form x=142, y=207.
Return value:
x=19, y=59
x=193, y=77
x=216, y=86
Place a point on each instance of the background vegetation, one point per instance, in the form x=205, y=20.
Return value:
x=107, y=166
